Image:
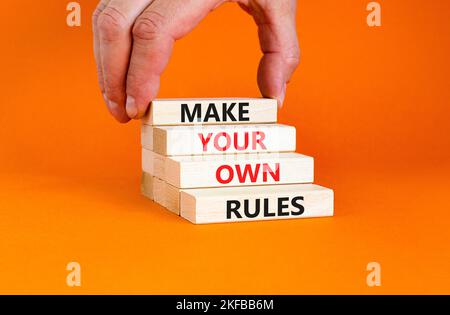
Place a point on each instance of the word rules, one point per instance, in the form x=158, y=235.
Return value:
x=211, y=205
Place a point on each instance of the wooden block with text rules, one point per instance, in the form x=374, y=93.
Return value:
x=211, y=111
x=219, y=139
x=238, y=170
x=250, y=203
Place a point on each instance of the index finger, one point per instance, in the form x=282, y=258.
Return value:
x=154, y=34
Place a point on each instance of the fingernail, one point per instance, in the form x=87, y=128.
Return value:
x=131, y=107
x=282, y=96
x=113, y=105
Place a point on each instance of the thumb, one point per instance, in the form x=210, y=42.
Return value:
x=278, y=39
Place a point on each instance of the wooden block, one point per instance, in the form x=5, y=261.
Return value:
x=153, y=188
x=220, y=139
x=147, y=185
x=238, y=169
x=161, y=192
x=172, y=198
x=211, y=111
x=234, y=204
x=147, y=137
x=167, y=196
x=153, y=163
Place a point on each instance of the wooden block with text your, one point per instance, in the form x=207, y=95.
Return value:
x=227, y=160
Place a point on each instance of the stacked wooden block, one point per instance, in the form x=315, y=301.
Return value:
x=227, y=160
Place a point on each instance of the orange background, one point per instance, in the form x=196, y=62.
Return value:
x=370, y=104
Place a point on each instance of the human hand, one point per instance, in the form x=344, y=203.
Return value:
x=133, y=41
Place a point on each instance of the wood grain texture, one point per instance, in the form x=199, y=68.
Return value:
x=153, y=163
x=147, y=137
x=238, y=170
x=161, y=192
x=211, y=111
x=219, y=139
x=234, y=204
x=147, y=185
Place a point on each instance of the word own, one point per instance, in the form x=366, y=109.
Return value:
x=226, y=173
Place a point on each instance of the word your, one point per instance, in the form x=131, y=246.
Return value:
x=74, y=16
x=248, y=172
x=213, y=114
x=257, y=138
x=234, y=208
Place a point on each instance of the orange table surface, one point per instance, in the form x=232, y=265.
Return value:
x=125, y=243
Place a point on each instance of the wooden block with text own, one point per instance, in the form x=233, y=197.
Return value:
x=251, y=203
x=219, y=139
x=238, y=170
x=211, y=111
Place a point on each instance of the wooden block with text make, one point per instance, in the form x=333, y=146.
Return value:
x=238, y=170
x=211, y=111
x=219, y=139
x=250, y=203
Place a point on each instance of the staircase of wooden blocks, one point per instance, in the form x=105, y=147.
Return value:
x=227, y=160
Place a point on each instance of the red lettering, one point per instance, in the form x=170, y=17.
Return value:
x=219, y=177
x=205, y=141
x=236, y=144
x=247, y=173
x=227, y=144
x=259, y=140
x=275, y=175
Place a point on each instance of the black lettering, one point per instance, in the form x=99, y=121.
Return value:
x=233, y=206
x=227, y=111
x=247, y=212
x=297, y=205
x=191, y=116
x=282, y=205
x=211, y=112
x=267, y=212
x=243, y=111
